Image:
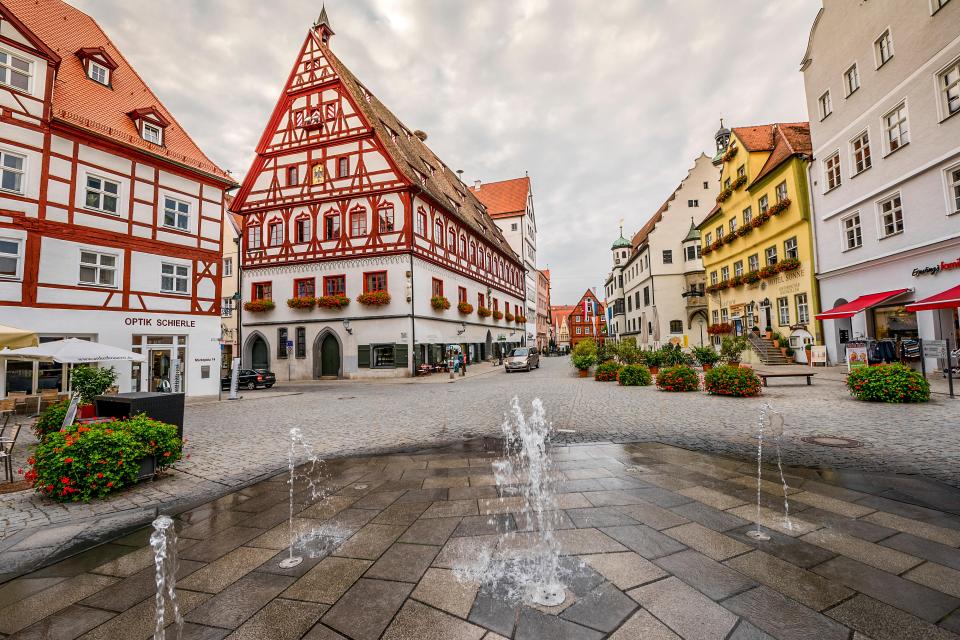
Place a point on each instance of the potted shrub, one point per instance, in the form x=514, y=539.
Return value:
x=894, y=383
x=51, y=419
x=336, y=301
x=374, y=298
x=465, y=308
x=90, y=382
x=768, y=332
x=304, y=302
x=259, y=306
x=755, y=330
x=607, y=371
x=439, y=303
x=731, y=381
x=483, y=312
x=634, y=375
x=707, y=356
x=784, y=344
x=584, y=356
x=789, y=352
x=678, y=378
x=654, y=360
x=731, y=350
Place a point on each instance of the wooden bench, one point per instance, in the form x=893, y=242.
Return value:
x=808, y=376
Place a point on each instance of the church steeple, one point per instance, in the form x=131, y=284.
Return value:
x=322, y=26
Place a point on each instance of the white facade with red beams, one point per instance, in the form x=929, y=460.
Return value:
x=110, y=215
x=344, y=200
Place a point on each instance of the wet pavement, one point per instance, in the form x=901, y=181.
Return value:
x=654, y=543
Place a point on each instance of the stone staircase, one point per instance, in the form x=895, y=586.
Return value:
x=767, y=351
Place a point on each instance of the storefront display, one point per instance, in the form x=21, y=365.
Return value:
x=895, y=322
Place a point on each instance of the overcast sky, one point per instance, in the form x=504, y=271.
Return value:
x=605, y=104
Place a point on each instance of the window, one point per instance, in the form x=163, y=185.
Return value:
x=860, y=147
x=724, y=315
x=262, y=291
x=771, y=256
x=693, y=203
x=727, y=183
x=790, y=250
x=275, y=233
x=713, y=277
x=98, y=269
x=715, y=315
x=753, y=262
x=747, y=216
x=733, y=225
x=782, y=191
x=883, y=47
x=334, y=285
x=708, y=238
x=950, y=89
x=783, y=311
x=11, y=171
x=343, y=167
x=253, y=237
x=851, y=79
x=852, y=234
x=463, y=246
x=451, y=239
x=741, y=171
x=227, y=267
x=473, y=252
x=304, y=287
x=763, y=204
x=480, y=300
x=421, y=224
x=358, y=222
x=331, y=226
x=301, y=342
x=895, y=124
x=826, y=105
x=282, y=343
x=226, y=307
x=301, y=230
x=803, y=309
x=706, y=185
x=720, y=232
x=438, y=232
x=831, y=171
x=102, y=194
x=385, y=214
x=891, y=216
x=461, y=294
x=151, y=133
x=690, y=252
x=176, y=214
x=382, y=356
x=513, y=226
x=375, y=281
x=15, y=71
x=437, y=287
x=173, y=278
x=579, y=331
x=646, y=296
x=667, y=256
x=676, y=326
x=738, y=268
x=293, y=176
x=953, y=180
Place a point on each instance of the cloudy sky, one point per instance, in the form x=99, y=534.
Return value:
x=604, y=104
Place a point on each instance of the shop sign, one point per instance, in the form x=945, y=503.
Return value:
x=159, y=322
x=856, y=358
x=934, y=348
x=937, y=268
x=818, y=354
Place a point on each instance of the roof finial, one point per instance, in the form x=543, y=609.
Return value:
x=322, y=25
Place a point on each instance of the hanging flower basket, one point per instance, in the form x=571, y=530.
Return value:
x=439, y=303
x=304, y=302
x=483, y=312
x=720, y=329
x=374, y=298
x=259, y=306
x=337, y=301
x=498, y=315
x=739, y=182
x=465, y=308
x=724, y=195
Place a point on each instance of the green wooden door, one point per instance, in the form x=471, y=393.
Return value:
x=330, y=357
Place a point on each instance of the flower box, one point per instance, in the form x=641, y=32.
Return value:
x=739, y=182
x=498, y=315
x=521, y=319
x=730, y=237
x=305, y=302
x=509, y=316
x=766, y=272
x=439, y=303
x=720, y=329
x=259, y=306
x=790, y=264
x=779, y=207
x=336, y=301
x=465, y=308
x=483, y=312
x=731, y=152
x=374, y=298
x=724, y=195
x=744, y=230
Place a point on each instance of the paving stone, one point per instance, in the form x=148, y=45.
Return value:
x=328, y=507
x=576, y=542
x=350, y=520
x=219, y=544
x=746, y=631
x=483, y=525
x=949, y=537
x=534, y=625
x=926, y=549
x=648, y=542
x=370, y=541
x=403, y=562
x=322, y=632
x=33, y=608
x=599, y=517
x=451, y=508
x=797, y=552
x=623, y=483
x=782, y=617
x=712, y=498
x=441, y=588
x=857, y=528
x=711, y=578
x=65, y=624
x=529, y=522
x=441, y=482
x=21, y=588
x=842, y=507
x=652, y=515
x=574, y=486
x=423, y=495
x=602, y=609
x=775, y=519
x=571, y=501
x=472, y=493
x=219, y=521
x=952, y=622
x=280, y=620
x=708, y=516
x=235, y=604
x=139, y=621
x=869, y=553
x=883, y=622
x=193, y=631
x=130, y=563
x=493, y=611
x=642, y=625
x=937, y=577
x=685, y=610
x=611, y=498
x=367, y=608
x=460, y=553
x=435, y=531
x=803, y=586
x=401, y=514
x=658, y=496
x=140, y=586
x=226, y=570
x=419, y=621
x=626, y=570
x=707, y=541
x=489, y=506
x=327, y=581
x=378, y=500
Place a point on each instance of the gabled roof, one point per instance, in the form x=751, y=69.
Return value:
x=506, y=198
x=641, y=236
x=546, y=273
x=783, y=140
x=86, y=104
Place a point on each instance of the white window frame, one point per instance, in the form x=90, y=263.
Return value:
x=953, y=189
x=22, y=172
x=98, y=267
x=753, y=262
x=782, y=194
x=93, y=67
x=177, y=213
x=7, y=69
x=943, y=92
x=849, y=90
x=887, y=35
x=18, y=256
x=825, y=104
x=724, y=273
x=146, y=126
x=102, y=194
x=763, y=203
x=176, y=277
x=733, y=224
x=803, y=309
x=770, y=252
x=783, y=311
x=857, y=228
x=868, y=155
x=747, y=216
x=881, y=226
x=832, y=177
x=903, y=128
x=738, y=268
x=227, y=267
x=787, y=249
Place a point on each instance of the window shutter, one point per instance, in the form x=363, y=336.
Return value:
x=400, y=356
x=363, y=356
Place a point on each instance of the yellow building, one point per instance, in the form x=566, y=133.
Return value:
x=758, y=240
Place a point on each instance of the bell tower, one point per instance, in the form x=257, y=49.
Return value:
x=322, y=26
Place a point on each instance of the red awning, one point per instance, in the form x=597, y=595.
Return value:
x=944, y=300
x=851, y=309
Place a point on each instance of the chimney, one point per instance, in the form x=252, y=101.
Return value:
x=476, y=185
x=422, y=135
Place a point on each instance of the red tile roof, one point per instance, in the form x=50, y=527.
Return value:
x=783, y=140
x=546, y=273
x=505, y=198
x=86, y=104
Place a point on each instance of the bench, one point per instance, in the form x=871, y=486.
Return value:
x=808, y=376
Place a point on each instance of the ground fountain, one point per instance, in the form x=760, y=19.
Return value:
x=163, y=540
x=773, y=422
x=311, y=474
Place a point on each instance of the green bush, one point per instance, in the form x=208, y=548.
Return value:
x=653, y=358
x=888, y=383
x=92, y=461
x=635, y=375
x=731, y=381
x=783, y=343
x=51, y=419
x=627, y=352
x=678, y=378
x=91, y=382
x=606, y=371
x=605, y=352
x=706, y=355
x=674, y=356
x=584, y=355
x=731, y=349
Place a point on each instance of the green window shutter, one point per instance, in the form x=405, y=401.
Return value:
x=400, y=356
x=363, y=356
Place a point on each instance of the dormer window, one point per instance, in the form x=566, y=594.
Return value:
x=150, y=123
x=152, y=133
x=97, y=64
x=99, y=73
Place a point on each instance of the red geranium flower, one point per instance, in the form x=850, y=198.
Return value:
x=68, y=460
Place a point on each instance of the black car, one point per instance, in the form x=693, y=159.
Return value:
x=251, y=379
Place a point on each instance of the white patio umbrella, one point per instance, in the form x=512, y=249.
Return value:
x=74, y=351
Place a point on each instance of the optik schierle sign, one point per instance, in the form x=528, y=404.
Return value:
x=937, y=268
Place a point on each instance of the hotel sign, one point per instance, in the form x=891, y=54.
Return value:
x=937, y=268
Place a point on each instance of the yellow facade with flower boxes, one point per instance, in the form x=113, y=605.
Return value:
x=758, y=241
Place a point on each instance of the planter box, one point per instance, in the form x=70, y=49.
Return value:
x=165, y=407
x=148, y=468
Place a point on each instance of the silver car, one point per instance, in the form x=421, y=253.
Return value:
x=522, y=359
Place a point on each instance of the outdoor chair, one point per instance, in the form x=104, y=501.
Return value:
x=46, y=398
x=20, y=400
x=8, y=438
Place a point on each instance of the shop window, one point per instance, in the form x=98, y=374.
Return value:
x=301, y=342
x=97, y=269
x=790, y=250
x=385, y=215
x=783, y=311
x=375, y=281
x=305, y=287
x=331, y=226
x=174, y=278
x=382, y=356
x=261, y=291
x=302, y=229
x=895, y=321
x=282, y=343
x=676, y=326
x=334, y=285
x=803, y=308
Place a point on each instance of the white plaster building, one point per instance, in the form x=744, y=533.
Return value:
x=648, y=293
x=883, y=92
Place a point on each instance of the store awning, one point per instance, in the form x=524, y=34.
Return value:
x=943, y=300
x=851, y=309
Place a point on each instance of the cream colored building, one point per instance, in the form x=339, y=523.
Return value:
x=229, y=286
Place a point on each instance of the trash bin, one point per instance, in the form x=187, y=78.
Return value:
x=165, y=407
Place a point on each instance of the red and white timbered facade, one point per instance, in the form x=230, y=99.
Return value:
x=343, y=199
x=110, y=216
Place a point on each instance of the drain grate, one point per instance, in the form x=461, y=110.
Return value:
x=833, y=441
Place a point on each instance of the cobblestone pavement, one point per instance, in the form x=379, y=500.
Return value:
x=653, y=543
x=232, y=444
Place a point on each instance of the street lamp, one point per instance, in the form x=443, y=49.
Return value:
x=346, y=327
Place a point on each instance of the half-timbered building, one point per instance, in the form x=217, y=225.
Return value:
x=110, y=215
x=363, y=253
x=587, y=319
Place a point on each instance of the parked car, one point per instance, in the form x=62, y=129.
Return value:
x=251, y=379
x=522, y=359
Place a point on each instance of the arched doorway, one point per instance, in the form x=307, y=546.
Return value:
x=698, y=328
x=327, y=360
x=257, y=352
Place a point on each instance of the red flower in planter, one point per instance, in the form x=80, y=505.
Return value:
x=68, y=460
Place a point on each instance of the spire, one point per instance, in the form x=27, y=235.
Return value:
x=322, y=25
x=722, y=138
